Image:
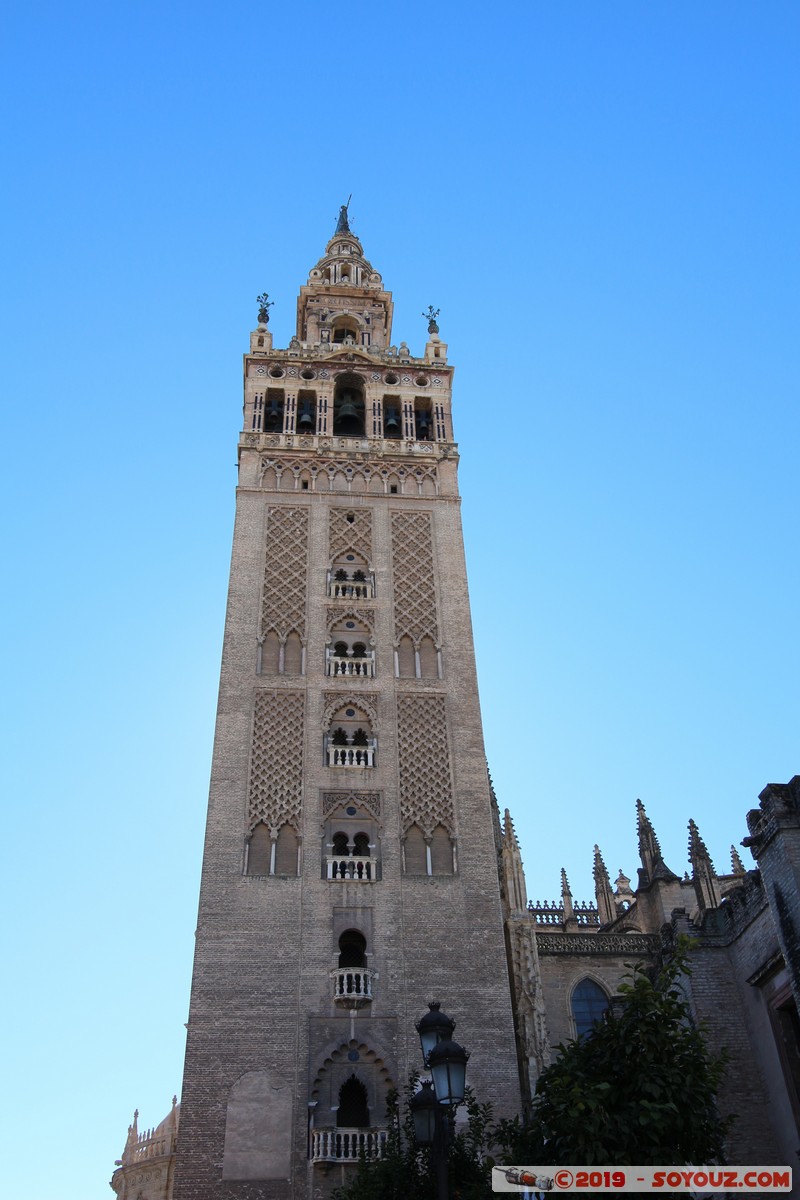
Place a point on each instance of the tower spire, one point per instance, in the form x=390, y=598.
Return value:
x=606, y=908
x=703, y=875
x=653, y=866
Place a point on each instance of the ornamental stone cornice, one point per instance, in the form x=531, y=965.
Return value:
x=643, y=944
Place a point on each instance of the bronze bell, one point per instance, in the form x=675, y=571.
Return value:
x=348, y=418
x=391, y=424
x=305, y=420
x=423, y=426
x=273, y=416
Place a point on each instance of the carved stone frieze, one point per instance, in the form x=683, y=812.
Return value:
x=642, y=944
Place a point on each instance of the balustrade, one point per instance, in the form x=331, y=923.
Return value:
x=347, y=1145
x=336, y=665
x=345, y=589
x=351, y=756
x=354, y=866
x=352, y=986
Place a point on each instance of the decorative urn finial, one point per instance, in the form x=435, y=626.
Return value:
x=430, y=316
x=264, y=305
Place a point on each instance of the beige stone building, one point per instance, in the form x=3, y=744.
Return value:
x=355, y=866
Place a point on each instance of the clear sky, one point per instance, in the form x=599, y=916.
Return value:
x=602, y=198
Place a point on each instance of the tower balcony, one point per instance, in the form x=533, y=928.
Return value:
x=347, y=1145
x=352, y=756
x=352, y=986
x=338, y=665
x=351, y=589
x=356, y=867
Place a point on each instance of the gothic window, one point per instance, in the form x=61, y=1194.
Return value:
x=350, y=741
x=265, y=857
x=406, y=659
x=351, y=848
x=589, y=1002
x=293, y=655
x=415, y=852
x=428, y=661
x=441, y=852
x=353, y=1111
x=350, y=578
x=281, y=658
x=259, y=851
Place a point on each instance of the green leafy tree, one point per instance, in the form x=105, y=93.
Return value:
x=406, y=1172
x=639, y=1089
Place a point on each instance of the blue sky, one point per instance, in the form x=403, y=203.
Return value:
x=602, y=199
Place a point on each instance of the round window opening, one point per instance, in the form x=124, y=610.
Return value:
x=351, y=812
x=353, y=1056
x=349, y=624
x=350, y=712
x=350, y=558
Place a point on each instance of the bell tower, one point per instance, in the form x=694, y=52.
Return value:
x=350, y=870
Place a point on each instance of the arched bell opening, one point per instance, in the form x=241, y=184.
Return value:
x=273, y=412
x=348, y=407
x=306, y=412
x=392, y=419
x=423, y=426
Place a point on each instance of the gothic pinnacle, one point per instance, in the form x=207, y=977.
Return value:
x=737, y=866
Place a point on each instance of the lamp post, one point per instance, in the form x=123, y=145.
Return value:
x=434, y=1105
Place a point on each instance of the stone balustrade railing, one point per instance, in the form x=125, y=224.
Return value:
x=345, y=589
x=346, y=1145
x=352, y=986
x=148, y=1145
x=336, y=665
x=553, y=914
x=358, y=867
x=351, y=756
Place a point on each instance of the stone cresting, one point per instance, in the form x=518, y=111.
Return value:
x=426, y=795
x=351, y=533
x=644, y=944
x=276, y=762
x=414, y=591
x=283, y=607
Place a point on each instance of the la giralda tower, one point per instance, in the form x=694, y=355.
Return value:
x=350, y=870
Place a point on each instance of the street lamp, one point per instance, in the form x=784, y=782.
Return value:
x=433, y=1106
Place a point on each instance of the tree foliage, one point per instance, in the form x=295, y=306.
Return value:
x=640, y=1088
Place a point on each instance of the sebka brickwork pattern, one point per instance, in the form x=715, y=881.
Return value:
x=276, y=760
x=426, y=794
x=414, y=591
x=283, y=606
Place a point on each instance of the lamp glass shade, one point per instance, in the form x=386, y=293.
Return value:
x=423, y=1111
x=448, y=1066
x=434, y=1027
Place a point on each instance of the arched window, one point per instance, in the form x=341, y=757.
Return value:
x=589, y=1002
x=352, y=949
x=353, y=1112
x=361, y=845
x=259, y=851
x=340, y=844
